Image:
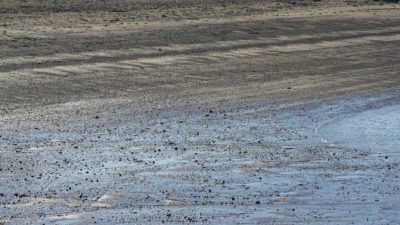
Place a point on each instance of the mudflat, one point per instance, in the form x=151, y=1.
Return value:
x=199, y=112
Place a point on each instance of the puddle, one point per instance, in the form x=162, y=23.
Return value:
x=63, y=220
x=377, y=130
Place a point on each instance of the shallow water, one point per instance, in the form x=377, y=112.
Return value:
x=377, y=130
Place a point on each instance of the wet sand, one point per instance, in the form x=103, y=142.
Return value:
x=198, y=112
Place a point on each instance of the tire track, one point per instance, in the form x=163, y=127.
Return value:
x=65, y=64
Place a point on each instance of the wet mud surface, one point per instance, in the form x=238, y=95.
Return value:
x=258, y=163
x=255, y=113
x=373, y=129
